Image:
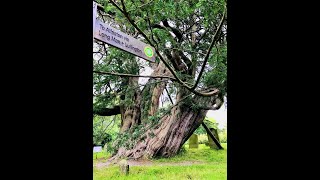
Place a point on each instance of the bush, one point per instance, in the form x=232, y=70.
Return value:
x=203, y=139
x=223, y=136
x=182, y=150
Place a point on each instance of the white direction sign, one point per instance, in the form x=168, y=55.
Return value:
x=97, y=148
x=114, y=37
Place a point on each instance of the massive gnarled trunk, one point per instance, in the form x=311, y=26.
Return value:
x=186, y=53
x=130, y=115
x=166, y=137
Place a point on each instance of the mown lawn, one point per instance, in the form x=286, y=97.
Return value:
x=210, y=164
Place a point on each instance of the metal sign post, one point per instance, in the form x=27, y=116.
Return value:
x=97, y=149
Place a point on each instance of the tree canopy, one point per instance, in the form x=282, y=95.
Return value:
x=184, y=28
x=190, y=71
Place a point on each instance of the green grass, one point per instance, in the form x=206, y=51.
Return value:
x=205, y=171
x=203, y=153
x=212, y=165
x=99, y=155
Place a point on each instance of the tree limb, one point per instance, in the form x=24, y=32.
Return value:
x=218, y=104
x=214, y=39
x=187, y=61
x=201, y=37
x=141, y=6
x=211, y=135
x=133, y=75
x=150, y=27
x=148, y=40
x=175, y=31
x=169, y=95
x=160, y=56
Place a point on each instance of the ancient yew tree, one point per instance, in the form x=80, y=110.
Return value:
x=159, y=114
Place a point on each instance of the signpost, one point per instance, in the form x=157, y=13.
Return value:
x=97, y=149
x=116, y=38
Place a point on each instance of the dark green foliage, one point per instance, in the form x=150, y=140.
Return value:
x=129, y=138
x=147, y=14
x=182, y=151
x=210, y=122
x=105, y=129
x=216, y=77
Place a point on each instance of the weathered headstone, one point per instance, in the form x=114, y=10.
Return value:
x=193, y=141
x=212, y=144
x=124, y=167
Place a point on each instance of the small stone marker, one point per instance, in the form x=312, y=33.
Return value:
x=193, y=141
x=124, y=167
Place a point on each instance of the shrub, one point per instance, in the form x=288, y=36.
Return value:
x=202, y=139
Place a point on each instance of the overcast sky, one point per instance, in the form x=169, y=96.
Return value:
x=220, y=116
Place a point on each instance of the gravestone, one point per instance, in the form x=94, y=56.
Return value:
x=211, y=142
x=124, y=167
x=193, y=141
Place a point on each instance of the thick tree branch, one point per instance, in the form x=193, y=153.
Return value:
x=141, y=6
x=123, y=6
x=175, y=31
x=109, y=13
x=211, y=135
x=186, y=50
x=196, y=31
x=148, y=40
x=218, y=104
x=169, y=95
x=150, y=27
x=158, y=26
x=167, y=27
x=167, y=52
x=160, y=56
x=201, y=37
x=214, y=39
x=99, y=7
x=149, y=83
x=107, y=111
x=133, y=75
x=187, y=61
